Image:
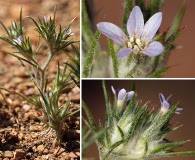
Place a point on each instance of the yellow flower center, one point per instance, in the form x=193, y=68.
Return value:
x=136, y=43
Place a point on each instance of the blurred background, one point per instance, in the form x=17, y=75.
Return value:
x=148, y=90
x=182, y=59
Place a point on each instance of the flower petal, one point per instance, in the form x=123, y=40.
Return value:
x=113, y=90
x=113, y=32
x=124, y=52
x=122, y=94
x=162, y=98
x=151, y=26
x=153, y=49
x=130, y=95
x=135, y=23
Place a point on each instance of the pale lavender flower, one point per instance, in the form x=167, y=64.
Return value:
x=140, y=36
x=17, y=41
x=46, y=19
x=69, y=31
x=122, y=94
x=165, y=104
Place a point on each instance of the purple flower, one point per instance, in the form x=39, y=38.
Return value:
x=165, y=104
x=122, y=94
x=46, y=19
x=69, y=31
x=17, y=41
x=140, y=35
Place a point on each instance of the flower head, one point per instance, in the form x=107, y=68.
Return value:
x=46, y=19
x=140, y=36
x=17, y=41
x=165, y=104
x=122, y=94
x=69, y=31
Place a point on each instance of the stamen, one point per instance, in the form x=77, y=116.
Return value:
x=138, y=42
x=136, y=48
x=132, y=39
x=129, y=44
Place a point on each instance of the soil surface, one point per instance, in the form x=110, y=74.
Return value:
x=22, y=136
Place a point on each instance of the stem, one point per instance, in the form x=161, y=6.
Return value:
x=49, y=58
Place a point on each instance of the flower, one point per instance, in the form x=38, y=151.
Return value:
x=69, y=31
x=17, y=41
x=46, y=19
x=140, y=35
x=165, y=104
x=122, y=94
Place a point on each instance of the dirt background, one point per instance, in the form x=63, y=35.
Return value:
x=20, y=134
x=182, y=91
x=112, y=11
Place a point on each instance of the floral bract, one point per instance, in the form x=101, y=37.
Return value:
x=140, y=35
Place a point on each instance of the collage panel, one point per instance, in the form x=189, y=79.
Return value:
x=137, y=39
x=40, y=80
x=138, y=119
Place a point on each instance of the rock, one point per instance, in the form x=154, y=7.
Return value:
x=1, y=154
x=29, y=92
x=74, y=154
x=26, y=107
x=8, y=154
x=16, y=103
x=74, y=98
x=33, y=128
x=19, y=154
x=40, y=148
x=76, y=90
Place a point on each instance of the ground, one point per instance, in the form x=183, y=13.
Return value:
x=22, y=136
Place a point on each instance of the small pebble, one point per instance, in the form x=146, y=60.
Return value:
x=41, y=148
x=19, y=154
x=26, y=107
x=8, y=154
x=74, y=154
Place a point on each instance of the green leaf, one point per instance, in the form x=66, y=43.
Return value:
x=155, y=6
x=152, y=130
x=173, y=154
x=167, y=146
x=90, y=117
x=177, y=21
x=109, y=116
x=159, y=73
x=89, y=61
x=114, y=58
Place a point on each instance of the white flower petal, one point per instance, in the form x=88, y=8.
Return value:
x=113, y=90
x=151, y=26
x=113, y=32
x=122, y=94
x=135, y=23
x=153, y=49
x=162, y=98
x=130, y=95
x=124, y=52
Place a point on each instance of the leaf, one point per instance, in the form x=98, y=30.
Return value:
x=177, y=21
x=167, y=146
x=173, y=154
x=109, y=116
x=152, y=130
x=89, y=61
x=114, y=58
x=159, y=73
x=155, y=6
x=90, y=117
